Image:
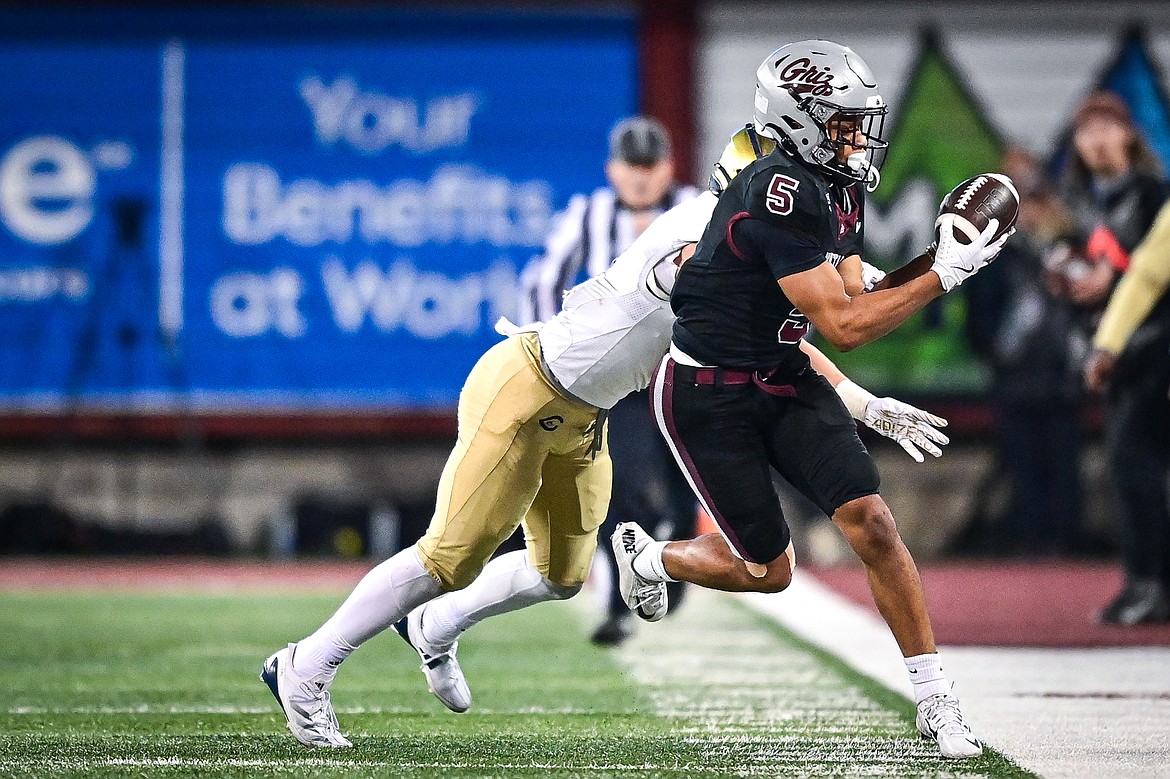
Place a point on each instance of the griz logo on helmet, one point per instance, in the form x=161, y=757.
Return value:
x=802, y=87
x=805, y=78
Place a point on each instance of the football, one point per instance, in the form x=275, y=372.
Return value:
x=976, y=202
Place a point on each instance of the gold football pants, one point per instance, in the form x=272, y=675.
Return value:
x=526, y=453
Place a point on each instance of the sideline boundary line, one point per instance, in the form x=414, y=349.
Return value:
x=851, y=633
x=1073, y=713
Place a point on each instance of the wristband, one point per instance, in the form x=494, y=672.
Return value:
x=855, y=398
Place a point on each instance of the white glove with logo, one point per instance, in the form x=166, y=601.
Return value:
x=956, y=262
x=911, y=427
x=870, y=275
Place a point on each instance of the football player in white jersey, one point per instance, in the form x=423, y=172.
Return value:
x=586, y=238
x=531, y=449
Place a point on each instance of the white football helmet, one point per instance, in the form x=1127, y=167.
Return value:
x=804, y=87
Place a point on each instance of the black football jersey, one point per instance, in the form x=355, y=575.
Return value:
x=776, y=218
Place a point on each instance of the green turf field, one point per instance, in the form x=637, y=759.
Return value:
x=165, y=684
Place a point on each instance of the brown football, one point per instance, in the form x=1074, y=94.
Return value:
x=977, y=201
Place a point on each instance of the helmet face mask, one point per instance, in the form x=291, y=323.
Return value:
x=820, y=101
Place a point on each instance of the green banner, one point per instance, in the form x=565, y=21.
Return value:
x=940, y=138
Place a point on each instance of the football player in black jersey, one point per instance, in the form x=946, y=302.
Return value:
x=736, y=396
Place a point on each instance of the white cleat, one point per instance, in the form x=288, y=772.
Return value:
x=645, y=598
x=940, y=718
x=444, y=676
x=305, y=702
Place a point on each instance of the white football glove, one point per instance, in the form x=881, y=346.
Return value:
x=956, y=262
x=911, y=427
x=870, y=275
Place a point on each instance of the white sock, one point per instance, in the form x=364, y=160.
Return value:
x=926, y=675
x=384, y=595
x=507, y=583
x=318, y=656
x=648, y=564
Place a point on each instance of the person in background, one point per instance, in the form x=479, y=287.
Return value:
x=589, y=234
x=1024, y=333
x=1131, y=358
x=1113, y=188
x=595, y=228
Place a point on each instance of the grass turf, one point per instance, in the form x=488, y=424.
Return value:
x=165, y=684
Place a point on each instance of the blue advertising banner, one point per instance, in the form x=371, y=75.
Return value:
x=79, y=140
x=312, y=217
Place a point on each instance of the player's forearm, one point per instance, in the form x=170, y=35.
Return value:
x=911, y=270
x=867, y=317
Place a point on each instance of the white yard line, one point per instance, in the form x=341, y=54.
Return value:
x=167, y=710
x=292, y=766
x=1062, y=713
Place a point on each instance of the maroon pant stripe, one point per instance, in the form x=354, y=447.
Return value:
x=662, y=392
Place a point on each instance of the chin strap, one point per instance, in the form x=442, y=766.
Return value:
x=857, y=163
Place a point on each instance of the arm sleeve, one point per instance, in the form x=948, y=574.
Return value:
x=1145, y=283
x=555, y=271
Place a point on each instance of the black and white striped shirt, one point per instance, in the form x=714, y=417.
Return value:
x=586, y=238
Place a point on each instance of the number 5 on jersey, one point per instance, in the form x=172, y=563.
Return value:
x=781, y=194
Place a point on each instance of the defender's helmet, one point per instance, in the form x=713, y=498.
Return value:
x=803, y=87
x=746, y=147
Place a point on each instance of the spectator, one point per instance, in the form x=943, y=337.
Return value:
x=592, y=231
x=1114, y=189
x=1131, y=357
x=1024, y=333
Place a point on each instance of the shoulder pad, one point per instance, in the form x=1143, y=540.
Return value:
x=786, y=194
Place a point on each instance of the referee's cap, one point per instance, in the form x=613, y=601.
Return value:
x=639, y=140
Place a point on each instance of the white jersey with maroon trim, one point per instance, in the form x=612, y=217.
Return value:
x=614, y=328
